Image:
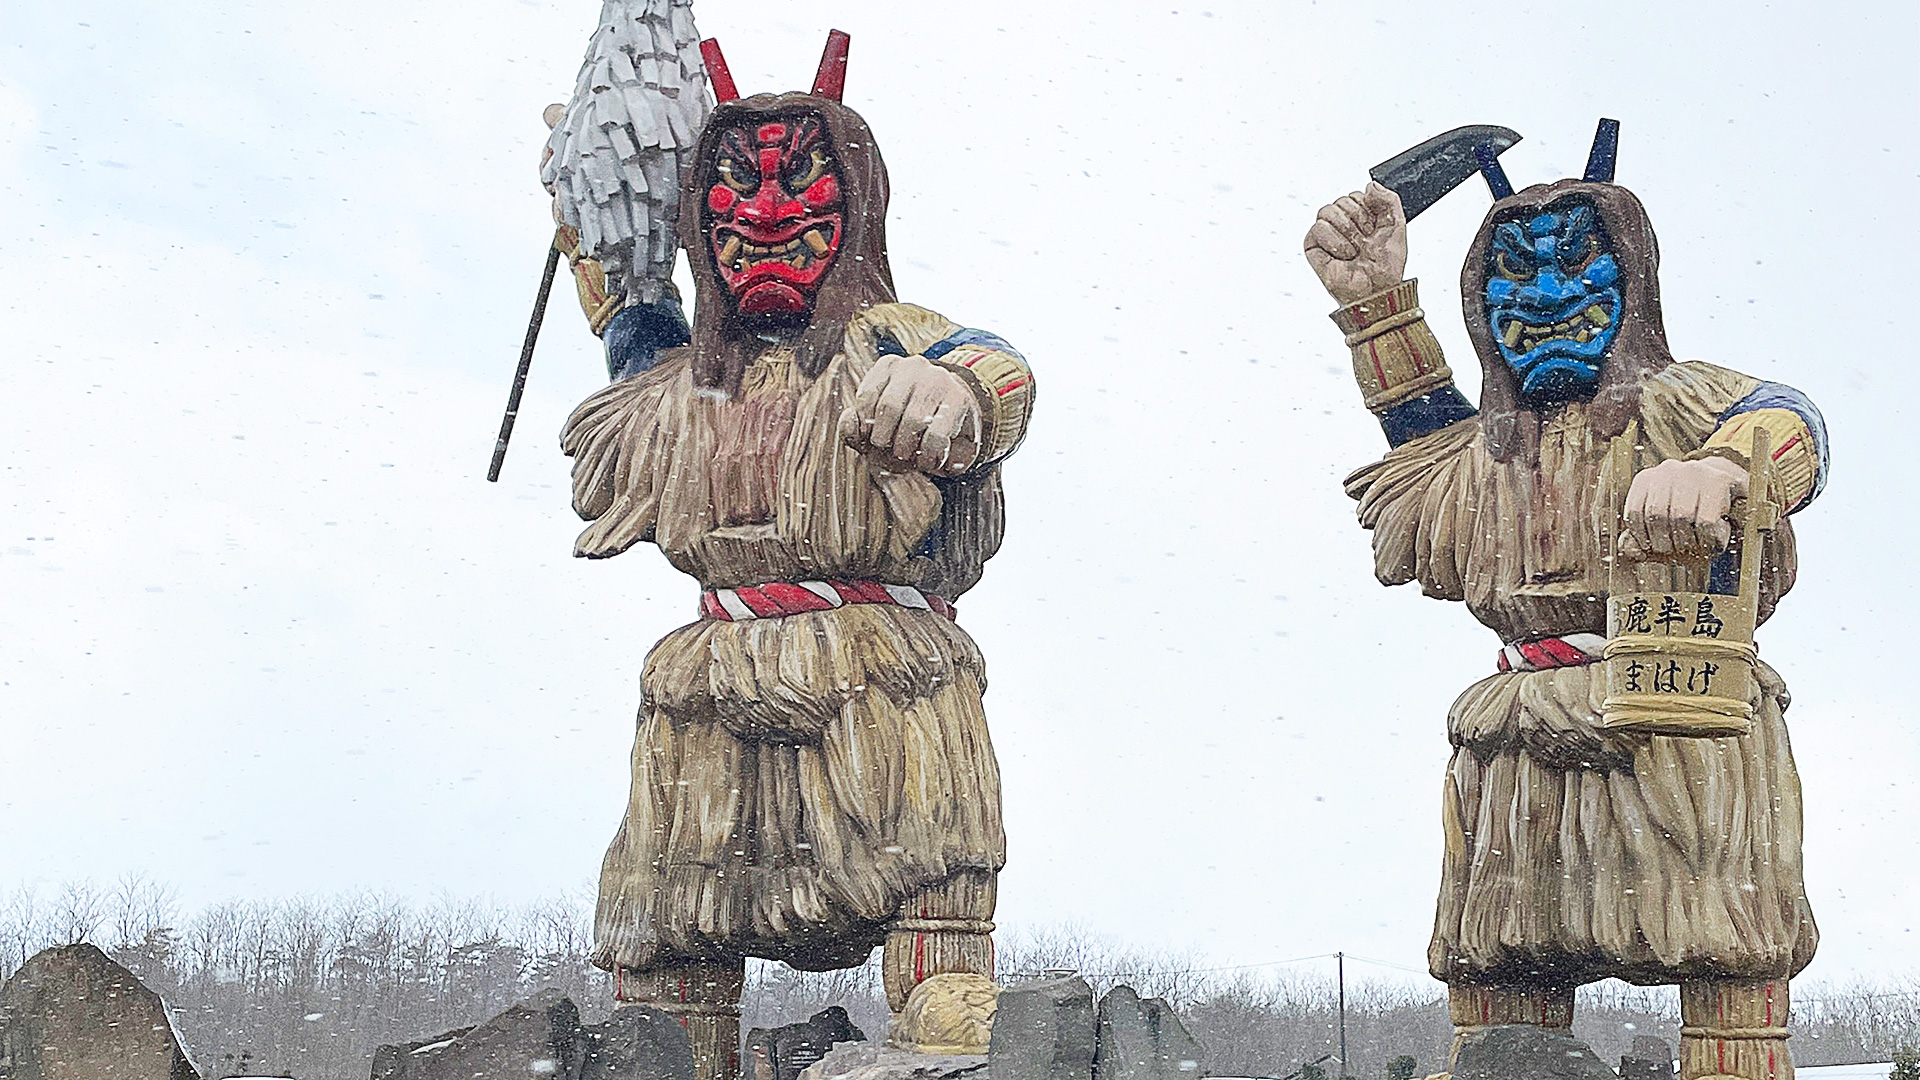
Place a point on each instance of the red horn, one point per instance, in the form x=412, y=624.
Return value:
x=831, y=80
x=723, y=88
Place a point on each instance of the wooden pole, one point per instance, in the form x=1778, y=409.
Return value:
x=526, y=359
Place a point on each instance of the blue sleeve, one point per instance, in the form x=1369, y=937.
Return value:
x=1425, y=415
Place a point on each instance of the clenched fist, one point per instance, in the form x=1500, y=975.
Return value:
x=1681, y=507
x=912, y=415
x=1358, y=244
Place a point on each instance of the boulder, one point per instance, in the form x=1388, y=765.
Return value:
x=1143, y=1040
x=537, y=1037
x=781, y=1053
x=1043, y=1030
x=636, y=1043
x=73, y=1014
x=1651, y=1059
x=1526, y=1052
x=390, y=1062
x=877, y=1061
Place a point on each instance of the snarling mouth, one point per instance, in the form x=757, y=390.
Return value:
x=740, y=258
x=1522, y=337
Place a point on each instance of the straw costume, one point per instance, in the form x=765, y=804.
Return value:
x=812, y=775
x=1572, y=853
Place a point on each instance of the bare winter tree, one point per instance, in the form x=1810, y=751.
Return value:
x=137, y=905
x=78, y=911
x=309, y=987
x=23, y=928
x=777, y=994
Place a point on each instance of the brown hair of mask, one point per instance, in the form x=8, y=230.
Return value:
x=723, y=345
x=1639, y=346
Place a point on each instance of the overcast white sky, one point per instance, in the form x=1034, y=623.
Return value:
x=264, y=271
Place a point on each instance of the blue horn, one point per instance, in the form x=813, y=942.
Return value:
x=1606, y=148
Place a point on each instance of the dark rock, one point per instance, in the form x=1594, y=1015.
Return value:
x=878, y=1061
x=537, y=1037
x=390, y=1062
x=1651, y=1059
x=781, y=1053
x=1143, y=1040
x=1526, y=1052
x=72, y=1014
x=1043, y=1030
x=636, y=1043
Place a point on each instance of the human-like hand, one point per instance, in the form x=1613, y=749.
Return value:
x=1681, y=507
x=912, y=415
x=1358, y=244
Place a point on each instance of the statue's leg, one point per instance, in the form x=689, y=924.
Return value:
x=1734, y=1028
x=1474, y=1005
x=705, y=998
x=941, y=929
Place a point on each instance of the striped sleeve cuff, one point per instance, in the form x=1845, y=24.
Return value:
x=1395, y=356
x=1796, y=432
x=1001, y=380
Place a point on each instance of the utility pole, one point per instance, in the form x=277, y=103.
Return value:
x=1340, y=959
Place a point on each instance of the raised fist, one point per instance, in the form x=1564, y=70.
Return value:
x=1681, y=507
x=1358, y=244
x=912, y=415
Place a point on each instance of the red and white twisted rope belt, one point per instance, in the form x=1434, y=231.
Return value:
x=1571, y=650
x=776, y=599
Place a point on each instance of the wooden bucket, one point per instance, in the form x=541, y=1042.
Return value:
x=1681, y=662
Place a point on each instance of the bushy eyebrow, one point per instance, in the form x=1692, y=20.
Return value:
x=1509, y=239
x=803, y=135
x=1581, y=223
x=733, y=144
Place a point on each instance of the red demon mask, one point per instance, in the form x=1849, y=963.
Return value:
x=774, y=214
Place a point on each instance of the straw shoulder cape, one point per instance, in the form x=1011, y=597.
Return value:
x=1573, y=854
x=796, y=778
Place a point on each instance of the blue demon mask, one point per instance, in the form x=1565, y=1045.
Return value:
x=1553, y=301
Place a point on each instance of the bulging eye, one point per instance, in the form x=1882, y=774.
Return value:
x=1511, y=268
x=743, y=179
x=802, y=173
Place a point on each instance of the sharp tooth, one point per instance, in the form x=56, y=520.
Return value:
x=797, y=261
x=1598, y=314
x=1512, y=335
x=817, y=242
x=729, y=249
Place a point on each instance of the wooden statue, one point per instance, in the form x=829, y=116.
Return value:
x=1627, y=819
x=812, y=775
